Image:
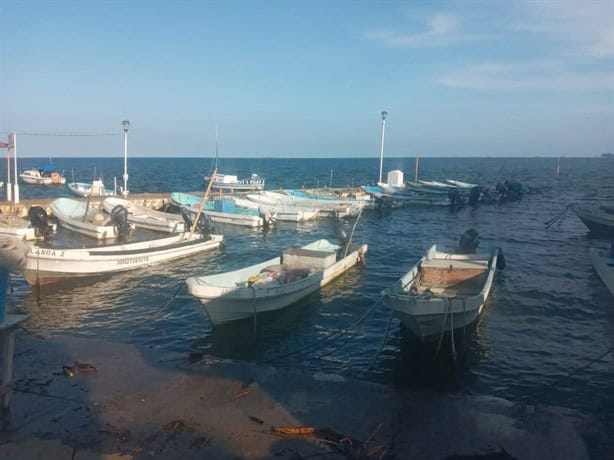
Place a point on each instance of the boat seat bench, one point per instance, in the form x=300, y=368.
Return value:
x=449, y=272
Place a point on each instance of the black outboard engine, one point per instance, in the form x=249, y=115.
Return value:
x=456, y=202
x=204, y=226
x=469, y=242
x=502, y=191
x=39, y=220
x=474, y=195
x=119, y=218
x=342, y=236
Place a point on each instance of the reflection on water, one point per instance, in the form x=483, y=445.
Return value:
x=548, y=313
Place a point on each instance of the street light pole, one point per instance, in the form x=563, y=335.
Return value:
x=125, y=126
x=381, y=154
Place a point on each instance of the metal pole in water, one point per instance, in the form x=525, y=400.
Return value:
x=9, y=186
x=16, y=186
x=125, y=125
x=381, y=154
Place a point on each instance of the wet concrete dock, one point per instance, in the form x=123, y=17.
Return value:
x=140, y=404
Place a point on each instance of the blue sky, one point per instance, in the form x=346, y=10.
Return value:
x=470, y=78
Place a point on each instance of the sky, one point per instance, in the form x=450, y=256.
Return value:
x=308, y=78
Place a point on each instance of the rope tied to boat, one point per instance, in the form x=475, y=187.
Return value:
x=558, y=218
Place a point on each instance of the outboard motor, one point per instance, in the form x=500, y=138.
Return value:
x=456, y=202
x=474, y=195
x=39, y=220
x=502, y=191
x=204, y=226
x=469, y=242
x=342, y=236
x=119, y=218
x=268, y=219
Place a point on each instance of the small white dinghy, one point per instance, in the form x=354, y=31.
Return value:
x=79, y=217
x=143, y=217
x=96, y=188
x=52, y=265
x=442, y=292
x=273, y=284
x=281, y=213
x=604, y=266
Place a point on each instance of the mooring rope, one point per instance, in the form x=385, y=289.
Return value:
x=381, y=347
x=443, y=329
x=583, y=367
x=330, y=340
x=558, y=218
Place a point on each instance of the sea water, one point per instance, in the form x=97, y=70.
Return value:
x=547, y=318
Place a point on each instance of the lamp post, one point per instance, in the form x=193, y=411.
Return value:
x=381, y=154
x=125, y=126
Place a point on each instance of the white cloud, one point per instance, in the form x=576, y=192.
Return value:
x=441, y=29
x=526, y=76
x=586, y=27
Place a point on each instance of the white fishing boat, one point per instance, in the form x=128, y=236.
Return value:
x=282, y=213
x=603, y=262
x=599, y=220
x=442, y=292
x=431, y=187
x=47, y=174
x=89, y=220
x=222, y=211
x=34, y=177
x=234, y=184
x=51, y=265
x=326, y=207
x=143, y=217
x=461, y=184
x=273, y=284
x=95, y=189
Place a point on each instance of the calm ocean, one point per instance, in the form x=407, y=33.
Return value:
x=548, y=316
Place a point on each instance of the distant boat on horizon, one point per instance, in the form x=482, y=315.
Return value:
x=607, y=155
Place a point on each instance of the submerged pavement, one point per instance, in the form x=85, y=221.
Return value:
x=141, y=405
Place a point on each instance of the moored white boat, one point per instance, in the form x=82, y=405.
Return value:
x=326, y=207
x=281, y=213
x=95, y=189
x=461, y=184
x=273, y=284
x=603, y=263
x=79, y=217
x=47, y=174
x=599, y=220
x=143, y=217
x=50, y=265
x=233, y=183
x=442, y=292
x=221, y=211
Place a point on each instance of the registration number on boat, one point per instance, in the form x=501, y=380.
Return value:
x=46, y=252
x=132, y=260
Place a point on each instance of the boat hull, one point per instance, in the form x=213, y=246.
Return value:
x=146, y=218
x=50, y=265
x=598, y=222
x=224, y=305
x=604, y=266
x=429, y=314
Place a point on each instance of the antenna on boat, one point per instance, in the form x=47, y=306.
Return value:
x=381, y=153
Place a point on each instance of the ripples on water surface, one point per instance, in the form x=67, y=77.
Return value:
x=548, y=314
